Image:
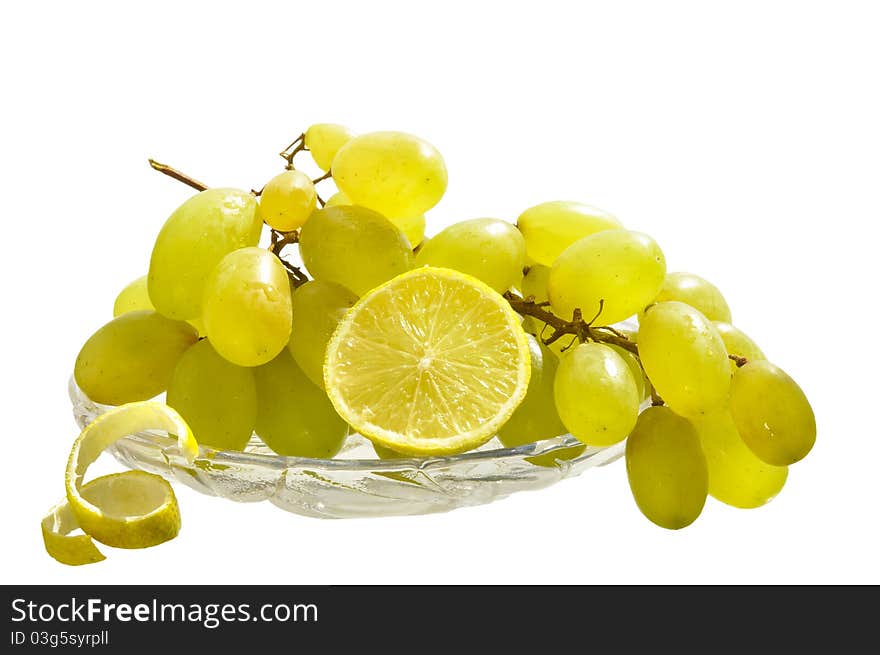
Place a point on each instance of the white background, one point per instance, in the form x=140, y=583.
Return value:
x=743, y=136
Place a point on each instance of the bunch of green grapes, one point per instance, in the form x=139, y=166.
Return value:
x=621, y=349
x=264, y=326
x=723, y=421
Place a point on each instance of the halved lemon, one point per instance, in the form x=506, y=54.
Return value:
x=431, y=363
x=133, y=509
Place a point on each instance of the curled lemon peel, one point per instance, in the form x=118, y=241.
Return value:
x=133, y=509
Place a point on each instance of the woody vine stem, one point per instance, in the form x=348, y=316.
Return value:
x=581, y=329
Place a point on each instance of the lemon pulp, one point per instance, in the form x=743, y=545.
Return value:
x=432, y=362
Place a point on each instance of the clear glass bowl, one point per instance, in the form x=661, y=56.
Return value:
x=355, y=483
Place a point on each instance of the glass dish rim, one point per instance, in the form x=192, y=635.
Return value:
x=163, y=442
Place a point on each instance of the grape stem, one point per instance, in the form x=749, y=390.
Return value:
x=177, y=175
x=577, y=326
x=278, y=240
x=656, y=400
x=581, y=329
x=281, y=239
x=326, y=176
x=296, y=146
x=297, y=277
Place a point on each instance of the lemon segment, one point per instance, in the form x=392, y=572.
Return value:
x=133, y=509
x=432, y=362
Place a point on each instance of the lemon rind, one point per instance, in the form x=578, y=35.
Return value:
x=137, y=530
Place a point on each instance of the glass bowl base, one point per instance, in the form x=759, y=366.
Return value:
x=355, y=483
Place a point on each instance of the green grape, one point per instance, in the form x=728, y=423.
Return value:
x=635, y=368
x=353, y=246
x=132, y=357
x=216, y=398
x=536, y=417
x=684, y=357
x=294, y=417
x=337, y=199
x=696, y=292
x=192, y=242
x=596, y=396
x=772, y=414
x=489, y=249
x=738, y=343
x=386, y=453
x=318, y=307
x=666, y=468
x=247, y=307
x=199, y=325
x=413, y=227
x=324, y=140
x=623, y=269
x=551, y=227
x=736, y=476
x=535, y=282
x=517, y=285
x=134, y=297
x=287, y=200
x=393, y=173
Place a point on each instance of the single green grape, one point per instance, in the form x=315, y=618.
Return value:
x=324, y=140
x=192, y=242
x=536, y=417
x=635, y=368
x=413, y=227
x=216, y=398
x=353, y=246
x=393, y=173
x=489, y=249
x=624, y=269
x=199, y=325
x=551, y=227
x=772, y=413
x=738, y=343
x=294, y=417
x=535, y=281
x=386, y=453
x=596, y=395
x=318, y=307
x=736, y=476
x=517, y=284
x=696, y=292
x=337, y=199
x=135, y=297
x=247, y=307
x=667, y=470
x=684, y=357
x=287, y=200
x=132, y=357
